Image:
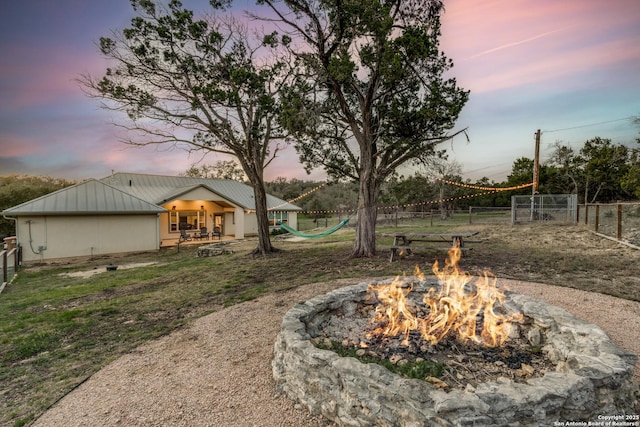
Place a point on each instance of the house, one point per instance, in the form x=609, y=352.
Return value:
x=127, y=212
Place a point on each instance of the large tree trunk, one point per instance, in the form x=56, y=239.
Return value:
x=260, y=195
x=365, y=242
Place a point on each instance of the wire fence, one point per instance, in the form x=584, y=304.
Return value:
x=617, y=221
x=558, y=208
x=434, y=217
x=425, y=218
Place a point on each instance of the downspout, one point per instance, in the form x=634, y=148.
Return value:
x=18, y=256
x=14, y=220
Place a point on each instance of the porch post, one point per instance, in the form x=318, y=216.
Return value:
x=239, y=217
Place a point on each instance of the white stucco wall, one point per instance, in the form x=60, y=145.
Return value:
x=292, y=218
x=71, y=236
x=251, y=222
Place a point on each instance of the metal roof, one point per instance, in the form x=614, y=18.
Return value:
x=92, y=196
x=161, y=189
x=127, y=193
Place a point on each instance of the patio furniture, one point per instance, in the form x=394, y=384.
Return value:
x=202, y=234
x=184, y=236
x=216, y=232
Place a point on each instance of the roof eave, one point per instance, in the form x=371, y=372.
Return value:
x=76, y=213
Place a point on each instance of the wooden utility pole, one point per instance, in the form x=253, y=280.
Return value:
x=536, y=175
x=536, y=164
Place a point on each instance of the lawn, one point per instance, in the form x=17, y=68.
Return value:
x=57, y=330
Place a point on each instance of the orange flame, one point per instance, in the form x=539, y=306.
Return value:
x=454, y=310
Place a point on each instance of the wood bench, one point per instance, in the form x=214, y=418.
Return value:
x=402, y=241
x=398, y=251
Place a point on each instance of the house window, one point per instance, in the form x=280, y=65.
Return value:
x=187, y=220
x=275, y=216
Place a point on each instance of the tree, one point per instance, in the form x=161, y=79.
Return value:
x=521, y=171
x=630, y=182
x=222, y=169
x=569, y=174
x=369, y=93
x=17, y=189
x=440, y=168
x=605, y=164
x=209, y=85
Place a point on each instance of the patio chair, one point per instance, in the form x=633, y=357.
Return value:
x=216, y=232
x=184, y=236
x=202, y=234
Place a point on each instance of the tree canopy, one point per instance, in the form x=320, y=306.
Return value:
x=370, y=91
x=199, y=84
x=17, y=189
x=222, y=169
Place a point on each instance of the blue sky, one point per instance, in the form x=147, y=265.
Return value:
x=570, y=68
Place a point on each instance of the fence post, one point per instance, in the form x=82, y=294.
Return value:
x=586, y=213
x=619, y=225
x=597, y=225
x=16, y=259
x=470, y=210
x=5, y=270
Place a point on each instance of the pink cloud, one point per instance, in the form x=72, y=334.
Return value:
x=15, y=145
x=557, y=68
x=44, y=76
x=502, y=44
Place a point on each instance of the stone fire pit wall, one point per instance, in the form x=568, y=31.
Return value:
x=593, y=376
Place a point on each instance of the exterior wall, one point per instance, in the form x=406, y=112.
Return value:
x=86, y=235
x=241, y=223
x=251, y=224
x=230, y=226
x=293, y=220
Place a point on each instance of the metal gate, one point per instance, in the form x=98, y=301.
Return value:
x=544, y=207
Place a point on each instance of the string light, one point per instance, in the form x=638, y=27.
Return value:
x=295, y=199
x=438, y=201
x=486, y=191
x=335, y=211
x=476, y=187
x=303, y=195
x=431, y=202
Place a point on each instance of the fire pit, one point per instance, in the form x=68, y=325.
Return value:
x=543, y=366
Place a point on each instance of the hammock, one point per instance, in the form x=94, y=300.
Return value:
x=314, y=236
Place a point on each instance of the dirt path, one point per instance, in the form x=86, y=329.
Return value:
x=217, y=371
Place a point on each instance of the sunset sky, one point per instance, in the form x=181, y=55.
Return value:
x=570, y=68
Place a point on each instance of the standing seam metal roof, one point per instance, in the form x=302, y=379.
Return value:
x=126, y=193
x=160, y=189
x=90, y=196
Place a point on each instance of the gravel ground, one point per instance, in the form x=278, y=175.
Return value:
x=217, y=371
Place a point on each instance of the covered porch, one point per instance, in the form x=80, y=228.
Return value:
x=200, y=215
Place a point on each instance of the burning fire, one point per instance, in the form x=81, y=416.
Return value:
x=454, y=310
